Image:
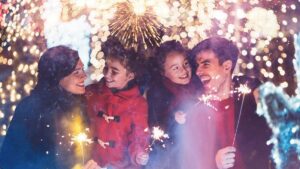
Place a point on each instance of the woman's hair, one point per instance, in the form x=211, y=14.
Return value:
x=166, y=48
x=55, y=64
x=113, y=49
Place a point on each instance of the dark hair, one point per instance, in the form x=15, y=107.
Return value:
x=223, y=48
x=55, y=64
x=165, y=49
x=113, y=49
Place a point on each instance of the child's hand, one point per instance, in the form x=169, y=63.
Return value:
x=142, y=158
x=225, y=157
x=91, y=164
x=180, y=117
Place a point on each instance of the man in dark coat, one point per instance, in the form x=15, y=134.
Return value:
x=231, y=134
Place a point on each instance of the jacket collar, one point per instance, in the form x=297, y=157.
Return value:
x=125, y=93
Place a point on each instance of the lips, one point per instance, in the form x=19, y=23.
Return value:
x=184, y=77
x=80, y=84
x=205, y=79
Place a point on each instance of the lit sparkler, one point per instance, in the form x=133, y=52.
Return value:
x=82, y=139
x=242, y=89
x=157, y=134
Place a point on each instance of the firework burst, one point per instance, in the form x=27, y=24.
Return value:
x=135, y=25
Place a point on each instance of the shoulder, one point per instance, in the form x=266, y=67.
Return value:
x=29, y=105
x=94, y=89
x=251, y=82
x=158, y=91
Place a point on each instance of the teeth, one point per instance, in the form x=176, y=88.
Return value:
x=205, y=79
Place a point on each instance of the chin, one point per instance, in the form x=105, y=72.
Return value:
x=184, y=82
x=79, y=91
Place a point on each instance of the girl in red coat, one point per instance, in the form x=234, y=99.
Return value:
x=118, y=112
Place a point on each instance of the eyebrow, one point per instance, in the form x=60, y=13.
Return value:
x=206, y=60
x=114, y=68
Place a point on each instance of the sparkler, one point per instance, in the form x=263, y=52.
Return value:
x=242, y=89
x=206, y=98
x=82, y=139
x=157, y=134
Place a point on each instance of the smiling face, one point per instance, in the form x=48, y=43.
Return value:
x=116, y=75
x=177, y=68
x=74, y=82
x=214, y=75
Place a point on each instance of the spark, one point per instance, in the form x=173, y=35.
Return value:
x=243, y=89
x=207, y=98
x=82, y=138
x=157, y=134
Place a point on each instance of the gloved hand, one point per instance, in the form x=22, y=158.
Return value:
x=142, y=158
x=225, y=157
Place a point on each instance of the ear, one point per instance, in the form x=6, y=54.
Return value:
x=227, y=65
x=130, y=76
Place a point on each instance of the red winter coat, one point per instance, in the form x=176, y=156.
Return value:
x=125, y=134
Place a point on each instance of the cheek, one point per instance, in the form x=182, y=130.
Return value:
x=170, y=75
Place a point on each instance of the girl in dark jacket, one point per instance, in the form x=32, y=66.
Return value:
x=171, y=93
x=118, y=112
x=42, y=131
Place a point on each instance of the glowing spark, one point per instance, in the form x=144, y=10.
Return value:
x=82, y=138
x=207, y=98
x=244, y=89
x=158, y=134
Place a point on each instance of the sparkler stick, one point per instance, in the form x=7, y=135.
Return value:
x=243, y=89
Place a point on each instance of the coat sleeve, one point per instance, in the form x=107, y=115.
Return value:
x=16, y=152
x=139, y=137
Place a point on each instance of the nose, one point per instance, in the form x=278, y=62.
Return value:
x=199, y=71
x=106, y=74
x=83, y=74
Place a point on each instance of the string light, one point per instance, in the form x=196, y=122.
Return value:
x=24, y=37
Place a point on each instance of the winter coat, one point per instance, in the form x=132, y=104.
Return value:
x=253, y=131
x=126, y=134
x=41, y=131
x=165, y=98
x=201, y=137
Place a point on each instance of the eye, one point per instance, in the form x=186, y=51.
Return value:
x=206, y=64
x=186, y=64
x=175, y=68
x=76, y=72
x=114, y=72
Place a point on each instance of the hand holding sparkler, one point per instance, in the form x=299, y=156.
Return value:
x=225, y=157
x=142, y=158
x=91, y=164
x=180, y=117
